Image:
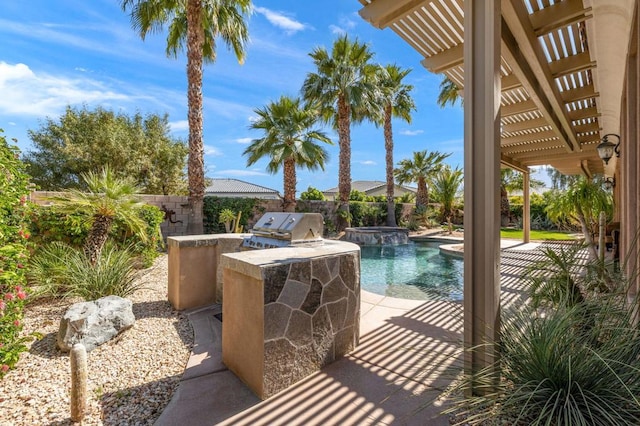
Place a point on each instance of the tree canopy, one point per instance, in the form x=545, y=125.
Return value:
x=83, y=141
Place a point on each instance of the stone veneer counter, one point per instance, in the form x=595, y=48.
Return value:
x=289, y=311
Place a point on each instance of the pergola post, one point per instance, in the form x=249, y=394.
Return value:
x=526, y=207
x=482, y=21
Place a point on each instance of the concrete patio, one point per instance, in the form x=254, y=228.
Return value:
x=409, y=352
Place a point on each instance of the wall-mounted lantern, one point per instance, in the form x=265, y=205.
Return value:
x=606, y=149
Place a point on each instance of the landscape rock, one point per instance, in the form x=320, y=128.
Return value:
x=94, y=323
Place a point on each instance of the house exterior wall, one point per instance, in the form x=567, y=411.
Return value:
x=628, y=190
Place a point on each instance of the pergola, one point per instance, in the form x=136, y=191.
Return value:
x=544, y=81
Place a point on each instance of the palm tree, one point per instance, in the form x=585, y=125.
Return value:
x=395, y=101
x=288, y=141
x=582, y=203
x=196, y=23
x=449, y=92
x=511, y=180
x=343, y=88
x=420, y=169
x=445, y=187
x=107, y=199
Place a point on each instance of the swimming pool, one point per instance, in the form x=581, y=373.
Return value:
x=411, y=271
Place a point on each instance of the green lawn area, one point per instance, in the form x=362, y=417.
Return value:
x=536, y=235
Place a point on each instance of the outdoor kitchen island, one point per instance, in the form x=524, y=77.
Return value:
x=289, y=311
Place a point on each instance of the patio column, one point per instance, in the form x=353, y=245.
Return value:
x=629, y=173
x=482, y=185
x=526, y=208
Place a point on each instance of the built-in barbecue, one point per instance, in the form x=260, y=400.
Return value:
x=277, y=229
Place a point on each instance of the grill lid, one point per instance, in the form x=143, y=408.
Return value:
x=277, y=229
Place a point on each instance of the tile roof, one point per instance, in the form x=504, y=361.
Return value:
x=365, y=185
x=237, y=186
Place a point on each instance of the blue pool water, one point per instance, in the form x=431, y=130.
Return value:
x=411, y=271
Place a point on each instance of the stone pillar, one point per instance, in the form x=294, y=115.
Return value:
x=287, y=312
x=194, y=277
x=482, y=185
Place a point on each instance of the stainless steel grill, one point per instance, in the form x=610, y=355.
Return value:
x=277, y=229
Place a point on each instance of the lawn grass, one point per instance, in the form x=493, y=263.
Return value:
x=536, y=235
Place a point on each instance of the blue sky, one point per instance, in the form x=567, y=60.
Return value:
x=67, y=52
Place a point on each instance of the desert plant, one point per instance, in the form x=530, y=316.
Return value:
x=47, y=270
x=59, y=270
x=569, y=358
x=227, y=217
x=555, y=372
x=213, y=206
x=50, y=224
x=108, y=198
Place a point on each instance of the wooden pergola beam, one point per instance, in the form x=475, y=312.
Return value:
x=528, y=137
x=532, y=147
x=521, y=48
x=579, y=94
x=518, y=108
x=536, y=123
x=381, y=13
x=558, y=15
x=445, y=60
x=580, y=114
x=571, y=64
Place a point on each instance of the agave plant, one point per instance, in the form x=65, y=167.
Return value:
x=570, y=358
x=59, y=270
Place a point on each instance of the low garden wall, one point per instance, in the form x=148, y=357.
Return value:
x=177, y=211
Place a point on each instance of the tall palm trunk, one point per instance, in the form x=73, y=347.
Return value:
x=195, y=169
x=289, y=172
x=505, y=209
x=97, y=237
x=388, y=146
x=588, y=238
x=422, y=195
x=344, y=168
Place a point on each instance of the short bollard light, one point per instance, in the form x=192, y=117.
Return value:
x=78, y=361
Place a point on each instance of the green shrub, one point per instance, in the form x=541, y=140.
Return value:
x=556, y=372
x=367, y=214
x=14, y=253
x=48, y=270
x=59, y=270
x=49, y=224
x=570, y=358
x=356, y=195
x=146, y=250
x=312, y=194
x=213, y=206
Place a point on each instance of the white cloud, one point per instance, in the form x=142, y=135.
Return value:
x=344, y=25
x=411, y=132
x=244, y=141
x=211, y=150
x=368, y=163
x=281, y=20
x=337, y=30
x=241, y=173
x=25, y=92
x=11, y=123
x=179, y=126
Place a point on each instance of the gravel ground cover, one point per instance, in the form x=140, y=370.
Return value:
x=130, y=379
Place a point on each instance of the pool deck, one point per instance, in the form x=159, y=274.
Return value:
x=409, y=352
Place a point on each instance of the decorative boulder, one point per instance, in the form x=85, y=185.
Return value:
x=94, y=323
